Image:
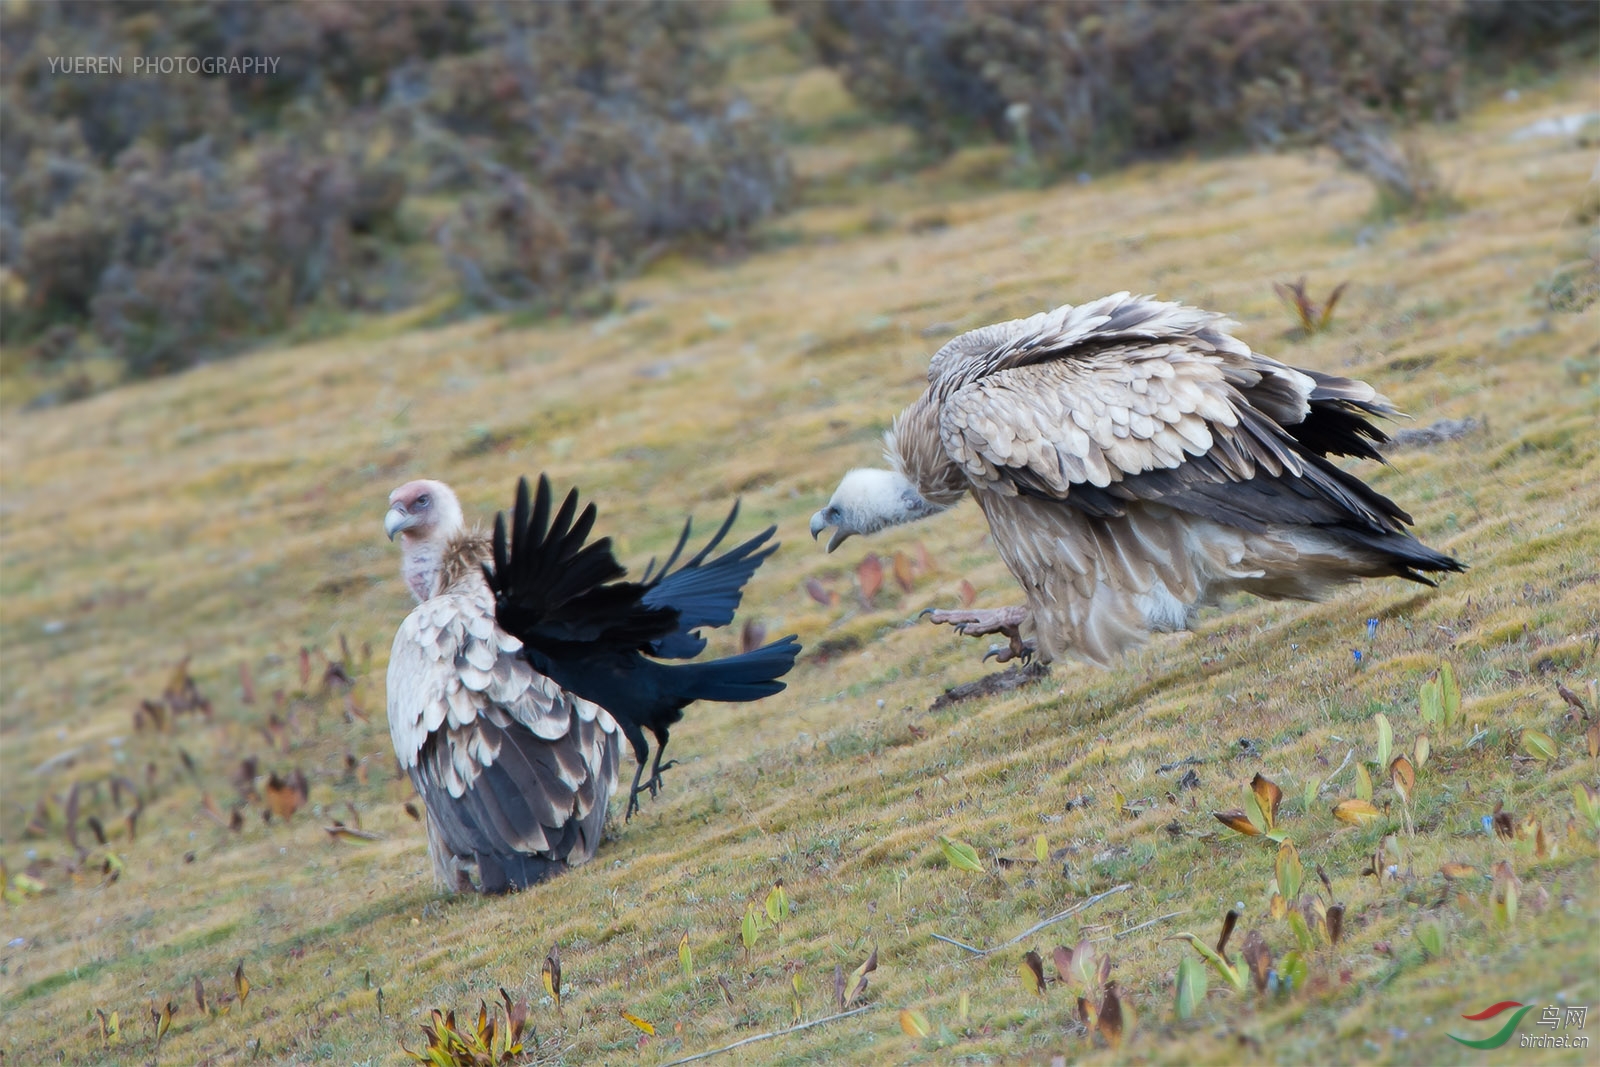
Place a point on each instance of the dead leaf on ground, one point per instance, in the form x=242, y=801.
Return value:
x=751, y=637
x=339, y=829
x=858, y=978
x=286, y=796
x=1110, y=1023
x=821, y=593
x=1032, y=971
x=904, y=576
x=1259, y=957
x=1234, y=819
x=869, y=575
x=1356, y=812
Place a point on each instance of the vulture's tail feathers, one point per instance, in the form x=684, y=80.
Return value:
x=501, y=872
x=1402, y=555
x=1339, y=423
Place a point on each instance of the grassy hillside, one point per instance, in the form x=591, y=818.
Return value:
x=232, y=515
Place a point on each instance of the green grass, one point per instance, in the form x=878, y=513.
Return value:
x=233, y=514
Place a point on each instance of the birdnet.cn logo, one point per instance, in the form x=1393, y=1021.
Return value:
x=1565, y=1020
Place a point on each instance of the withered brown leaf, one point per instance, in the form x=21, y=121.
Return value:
x=869, y=574
x=1269, y=796
x=1229, y=921
x=1234, y=819
x=1062, y=956
x=1032, y=972
x=1258, y=956
x=1110, y=1021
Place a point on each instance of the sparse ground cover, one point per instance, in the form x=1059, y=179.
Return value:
x=232, y=515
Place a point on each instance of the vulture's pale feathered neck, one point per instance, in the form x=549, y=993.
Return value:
x=436, y=548
x=920, y=483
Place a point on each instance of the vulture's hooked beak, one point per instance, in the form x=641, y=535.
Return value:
x=396, y=520
x=819, y=522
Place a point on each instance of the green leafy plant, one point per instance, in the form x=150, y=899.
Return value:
x=750, y=927
x=1191, y=987
x=1430, y=935
x=495, y=1038
x=1233, y=972
x=1586, y=801
x=1440, y=700
x=961, y=856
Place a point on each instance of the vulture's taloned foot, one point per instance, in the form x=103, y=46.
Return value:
x=1018, y=649
x=1006, y=622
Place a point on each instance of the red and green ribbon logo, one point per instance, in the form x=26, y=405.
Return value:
x=1505, y=1031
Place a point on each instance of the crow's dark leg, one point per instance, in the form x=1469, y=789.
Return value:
x=655, y=771
x=1004, y=621
x=633, y=794
x=641, y=752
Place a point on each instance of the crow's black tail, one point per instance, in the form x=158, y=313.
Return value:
x=747, y=676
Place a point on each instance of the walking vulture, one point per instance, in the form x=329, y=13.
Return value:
x=1134, y=460
x=526, y=663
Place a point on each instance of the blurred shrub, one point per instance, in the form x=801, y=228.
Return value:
x=170, y=218
x=1513, y=29
x=1078, y=80
x=588, y=138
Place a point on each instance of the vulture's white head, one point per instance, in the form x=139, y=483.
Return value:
x=868, y=501
x=425, y=515
x=424, y=510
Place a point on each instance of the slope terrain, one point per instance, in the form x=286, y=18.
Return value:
x=230, y=517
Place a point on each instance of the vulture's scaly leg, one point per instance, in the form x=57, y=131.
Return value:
x=1004, y=621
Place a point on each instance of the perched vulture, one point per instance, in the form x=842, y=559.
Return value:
x=525, y=665
x=1134, y=460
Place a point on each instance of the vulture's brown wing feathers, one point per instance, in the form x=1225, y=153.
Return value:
x=1098, y=435
x=515, y=771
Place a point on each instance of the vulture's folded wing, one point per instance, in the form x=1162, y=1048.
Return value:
x=1138, y=458
x=1193, y=420
x=515, y=771
x=703, y=593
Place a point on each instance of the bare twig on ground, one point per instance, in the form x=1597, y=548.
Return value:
x=1436, y=433
x=1036, y=927
x=775, y=1033
x=1004, y=681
